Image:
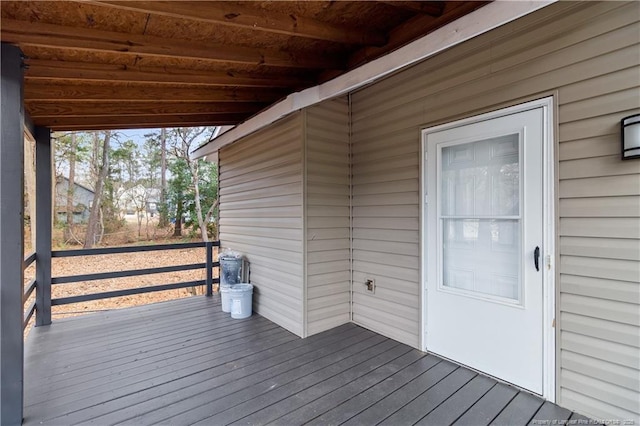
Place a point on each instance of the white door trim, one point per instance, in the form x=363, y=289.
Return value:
x=548, y=224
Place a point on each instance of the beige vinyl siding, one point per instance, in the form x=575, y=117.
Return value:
x=386, y=232
x=327, y=198
x=261, y=215
x=586, y=55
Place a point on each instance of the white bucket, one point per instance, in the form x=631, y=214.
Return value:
x=225, y=298
x=241, y=296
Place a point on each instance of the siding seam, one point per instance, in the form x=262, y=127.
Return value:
x=305, y=255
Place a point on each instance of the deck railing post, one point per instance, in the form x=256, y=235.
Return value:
x=209, y=267
x=11, y=235
x=43, y=225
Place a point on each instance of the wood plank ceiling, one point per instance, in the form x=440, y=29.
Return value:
x=131, y=64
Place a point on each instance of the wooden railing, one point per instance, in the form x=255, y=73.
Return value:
x=43, y=303
x=28, y=291
x=209, y=264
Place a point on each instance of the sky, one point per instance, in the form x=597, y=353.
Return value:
x=136, y=135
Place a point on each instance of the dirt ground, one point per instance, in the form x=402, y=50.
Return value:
x=117, y=262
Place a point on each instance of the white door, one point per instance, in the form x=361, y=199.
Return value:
x=483, y=224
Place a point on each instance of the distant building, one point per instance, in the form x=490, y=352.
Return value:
x=82, y=200
x=139, y=199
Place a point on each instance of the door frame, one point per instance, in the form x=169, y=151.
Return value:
x=548, y=230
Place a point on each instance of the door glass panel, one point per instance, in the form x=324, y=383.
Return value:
x=481, y=178
x=480, y=217
x=483, y=256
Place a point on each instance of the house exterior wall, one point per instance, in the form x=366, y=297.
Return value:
x=284, y=203
x=82, y=199
x=328, y=266
x=261, y=215
x=587, y=57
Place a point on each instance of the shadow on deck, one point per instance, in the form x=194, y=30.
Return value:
x=186, y=362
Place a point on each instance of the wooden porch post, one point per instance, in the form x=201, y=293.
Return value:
x=43, y=226
x=209, y=263
x=11, y=235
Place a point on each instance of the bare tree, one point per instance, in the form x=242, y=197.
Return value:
x=138, y=198
x=186, y=138
x=68, y=230
x=30, y=186
x=177, y=229
x=94, y=218
x=164, y=220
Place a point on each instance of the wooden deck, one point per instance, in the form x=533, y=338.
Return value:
x=186, y=362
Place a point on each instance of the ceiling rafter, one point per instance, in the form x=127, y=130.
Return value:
x=149, y=121
x=91, y=63
x=44, y=91
x=433, y=8
x=413, y=28
x=73, y=109
x=90, y=40
x=250, y=18
x=66, y=70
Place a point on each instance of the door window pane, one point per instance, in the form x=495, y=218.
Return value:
x=483, y=256
x=481, y=178
x=480, y=217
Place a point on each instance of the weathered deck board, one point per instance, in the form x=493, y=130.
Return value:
x=457, y=404
x=185, y=362
x=403, y=396
x=344, y=411
x=549, y=412
x=414, y=411
x=520, y=410
x=488, y=407
x=301, y=399
x=154, y=359
x=259, y=365
x=348, y=393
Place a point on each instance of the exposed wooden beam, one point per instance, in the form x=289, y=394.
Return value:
x=63, y=70
x=134, y=122
x=75, y=109
x=11, y=237
x=43, y=91
x=228, y=14
x=39, y=34
x=412, y=29
x=43, y=206
x=433, y=8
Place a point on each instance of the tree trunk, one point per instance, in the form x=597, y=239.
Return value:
x=177, y=231
x=54, y=215
x=68, y=229
x=196, y=184
x=163, y=221
x=207, y=217
x=30, y=187
x=139, y=219
x=146, y=227
x=94, y=218
x=95, y=157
